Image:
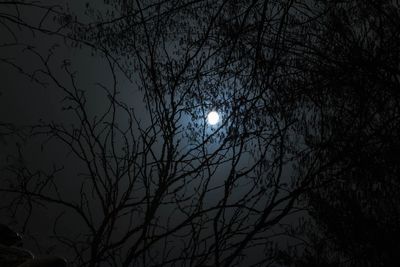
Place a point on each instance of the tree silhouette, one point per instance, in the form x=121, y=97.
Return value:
x=164, y=188
x=296, y=85
x=355, y=202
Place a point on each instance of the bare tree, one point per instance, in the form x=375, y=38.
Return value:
x=155, y=184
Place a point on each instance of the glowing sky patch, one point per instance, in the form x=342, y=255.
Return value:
x=213, y=118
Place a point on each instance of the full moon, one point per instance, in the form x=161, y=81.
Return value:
x=213, y=118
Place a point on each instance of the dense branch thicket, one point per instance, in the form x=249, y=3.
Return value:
x=308, y=95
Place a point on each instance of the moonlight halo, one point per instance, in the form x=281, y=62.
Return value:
x=213, y=118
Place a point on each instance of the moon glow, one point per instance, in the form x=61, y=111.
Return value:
x=213, y=118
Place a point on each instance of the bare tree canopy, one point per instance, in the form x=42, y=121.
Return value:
x=126, y=170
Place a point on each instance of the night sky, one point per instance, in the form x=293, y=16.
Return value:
x=109, y=155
